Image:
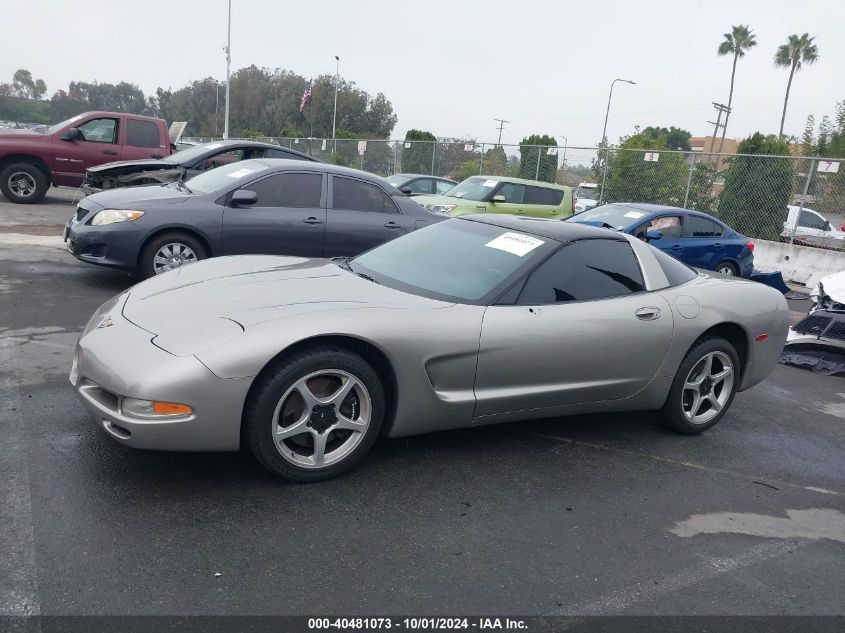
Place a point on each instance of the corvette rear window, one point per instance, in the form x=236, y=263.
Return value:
x=676, y=272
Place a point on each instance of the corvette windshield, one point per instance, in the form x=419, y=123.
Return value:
x=456, y=260
x=225, y=176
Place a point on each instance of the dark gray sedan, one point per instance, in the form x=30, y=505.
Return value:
x=267, y=206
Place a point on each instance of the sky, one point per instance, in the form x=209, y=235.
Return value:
x=453, y=67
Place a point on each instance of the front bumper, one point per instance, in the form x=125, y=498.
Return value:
x=820, y=328
x=120, y=360
x=113, y=245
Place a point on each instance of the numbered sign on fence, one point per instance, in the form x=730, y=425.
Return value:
x=362, y=147
x=323, y=147
x=552, y=151
x=407, y=146
x=651, y=157
x=828, y=166
x=469, y=147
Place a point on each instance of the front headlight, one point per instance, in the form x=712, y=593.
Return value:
x=442, y=209
x=148, y=409
x=111, y=216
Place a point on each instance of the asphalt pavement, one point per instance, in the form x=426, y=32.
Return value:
x=591, y=515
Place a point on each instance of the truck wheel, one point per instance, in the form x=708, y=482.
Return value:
x=23, y=183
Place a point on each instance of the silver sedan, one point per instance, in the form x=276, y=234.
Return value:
x=472, y=321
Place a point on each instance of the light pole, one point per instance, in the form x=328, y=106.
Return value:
x=565, y=143
x=228, y=50
x=334, y=116
x=604, y=133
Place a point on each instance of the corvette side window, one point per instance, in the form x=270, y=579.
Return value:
x=584, y=271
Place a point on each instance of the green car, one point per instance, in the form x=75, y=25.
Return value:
x=499, y=194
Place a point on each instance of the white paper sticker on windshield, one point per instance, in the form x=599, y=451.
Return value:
x=515, y=243
x=240, y=173
x=634, y=214
x=489, y=183
x=212, y=146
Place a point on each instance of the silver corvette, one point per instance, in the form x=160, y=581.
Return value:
x=472, y=321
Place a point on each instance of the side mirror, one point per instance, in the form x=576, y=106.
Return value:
x=406, y=190
x=244, y=198
x=498, y=198
x=72, y=134
x=653, y=235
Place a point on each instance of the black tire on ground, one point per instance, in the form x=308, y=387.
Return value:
x=274, y=382
x=728, y=265
x=672, y=413
x=30, y=182
x=146, y=265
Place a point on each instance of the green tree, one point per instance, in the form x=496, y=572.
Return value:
x=417, y=159
x=25, y=86
x=631, y=178
x=465, y=170
x=735, y=43
x=757, y=189
x=534, y=161
x=808, y=139
x=797, y=51
x=676, y=138
x=825, y=132
x=495, y=162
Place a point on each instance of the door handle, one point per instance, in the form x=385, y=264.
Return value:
x=648, y=314
x=312, y=220
x=676, y=247
x=110, y=152
x=718, y=245
x=155, y=155
x=392, y=225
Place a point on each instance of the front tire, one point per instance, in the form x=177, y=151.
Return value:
x=23, y=183
x=727, y=268
x=703, y=388
x=169, y=251
x=314, y=415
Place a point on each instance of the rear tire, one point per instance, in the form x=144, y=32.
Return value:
x=727, y=268
x=704, y=387
x=23, y=183
x=168, y=251
x=315, y=414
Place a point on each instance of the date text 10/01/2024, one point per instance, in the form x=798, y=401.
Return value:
x=420, y=623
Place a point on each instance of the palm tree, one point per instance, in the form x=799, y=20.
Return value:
x=795, y=53
x=736, y=43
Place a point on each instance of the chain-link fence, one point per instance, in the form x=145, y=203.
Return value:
x=800, y=199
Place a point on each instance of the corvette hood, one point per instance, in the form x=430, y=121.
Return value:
x=204, y=304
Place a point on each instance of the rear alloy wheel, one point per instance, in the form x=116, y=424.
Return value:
x=727, y=268
x=23, y=183
x=314, y=415
x=170, y=251
x=703, y=388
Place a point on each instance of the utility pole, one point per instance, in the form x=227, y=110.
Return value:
x=721, y=108
x=228, y=50
x=501, y=127
x=334, y=116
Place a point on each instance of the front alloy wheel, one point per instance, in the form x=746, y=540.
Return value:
x=173, y=255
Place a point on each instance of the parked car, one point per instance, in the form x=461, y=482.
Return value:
x=32, y=160
x=499, y=194
x=414, y=184
x=695, y=238
x=266, y=206
x=586, y=196
x=308, y=361
x=182, y=165
x=811, y=228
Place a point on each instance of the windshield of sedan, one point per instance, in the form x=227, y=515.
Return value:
x=587, y=193
x=456, y=260
x=397, y=180
x=614, y=216
x=225, y=177
x=476, y=188
x=191, y=154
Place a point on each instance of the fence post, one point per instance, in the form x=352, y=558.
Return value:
x=803, y=197
x=481, y=162
x=537, y=171
x=604, y=175
x=689, y=179
x=433, y=152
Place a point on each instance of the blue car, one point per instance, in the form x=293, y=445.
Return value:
x=697, y=239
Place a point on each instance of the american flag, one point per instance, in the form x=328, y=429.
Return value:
x=305, y=96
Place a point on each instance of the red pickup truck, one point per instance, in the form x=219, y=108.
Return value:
x=31, y=160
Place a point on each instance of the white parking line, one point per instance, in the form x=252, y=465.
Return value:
x=18, y=577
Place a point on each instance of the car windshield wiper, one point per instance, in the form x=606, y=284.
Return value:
x=343, y=262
